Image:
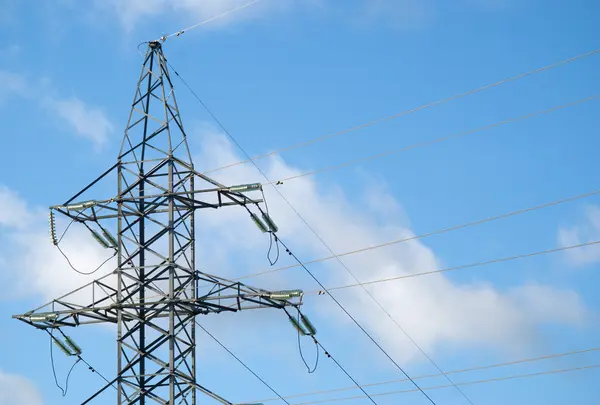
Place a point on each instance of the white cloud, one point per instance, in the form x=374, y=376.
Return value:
x=18, y=390
x=582, y=233
x=45, y=272
x=87, y=121
x=30, y=264
x=434, y=310
x=14, y=212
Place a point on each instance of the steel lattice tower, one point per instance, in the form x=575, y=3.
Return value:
x=155, y=292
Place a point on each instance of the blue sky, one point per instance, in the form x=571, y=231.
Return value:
x=282, y=72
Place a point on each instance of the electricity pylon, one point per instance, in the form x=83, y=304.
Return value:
x=155, y=292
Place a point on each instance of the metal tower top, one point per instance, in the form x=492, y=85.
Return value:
x=154, y=128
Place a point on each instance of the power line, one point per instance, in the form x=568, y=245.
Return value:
x=436, y=141
x=356, y=279
x=329, y=355
x=454, y=268
x=424, y=235
x=464, y=266
x=240, y=147
x=312, y=230
x=357, y=323
x=79, y=359
x=93, y=370
x=183, y=31
x=337, y=256
x=242, y=363
x=425, y=376
x=377, y=302
x=386, y=312
x=410, y=111
x=488, y=380
x=431, y=142
x=334, y=256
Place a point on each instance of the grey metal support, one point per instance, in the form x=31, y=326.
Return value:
x=155, y=293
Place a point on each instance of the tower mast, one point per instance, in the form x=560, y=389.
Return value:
x=156, y=296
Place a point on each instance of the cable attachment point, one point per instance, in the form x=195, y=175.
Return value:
x=99, y=239
x=259, y=224
x=76, y=350
x=69, y=347
x=52, y=228
x=297, y=326
x=312, y=331
x=270, y=223
x=306, y=328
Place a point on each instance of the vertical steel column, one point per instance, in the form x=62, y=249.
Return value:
x=194, y=293
x=171, y=286
x=119, y=284
x=142, y=241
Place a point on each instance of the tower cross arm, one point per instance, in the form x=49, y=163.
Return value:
x=222, y=296
x=126, y=203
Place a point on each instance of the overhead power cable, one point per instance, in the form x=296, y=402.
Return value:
x=343, y=264
x=337, y=363
x=424, y=235
x=239, y=146
x=436, y=141
x=448, y=269
x=488, y=380
x=338, y=258
x=95, y=371
x=426, y=376
x=334, y=256
x=208, y=110
x=80, y=358
x=367, y=334
x=351, y=274
x=92, y=369
x=463, y=266
x=386, y=312
x=226, y=13
x=410, y=111
x=242, y=363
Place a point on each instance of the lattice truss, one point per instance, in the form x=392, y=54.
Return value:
x=155, y=292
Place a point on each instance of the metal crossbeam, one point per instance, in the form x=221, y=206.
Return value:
x=154, y=293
